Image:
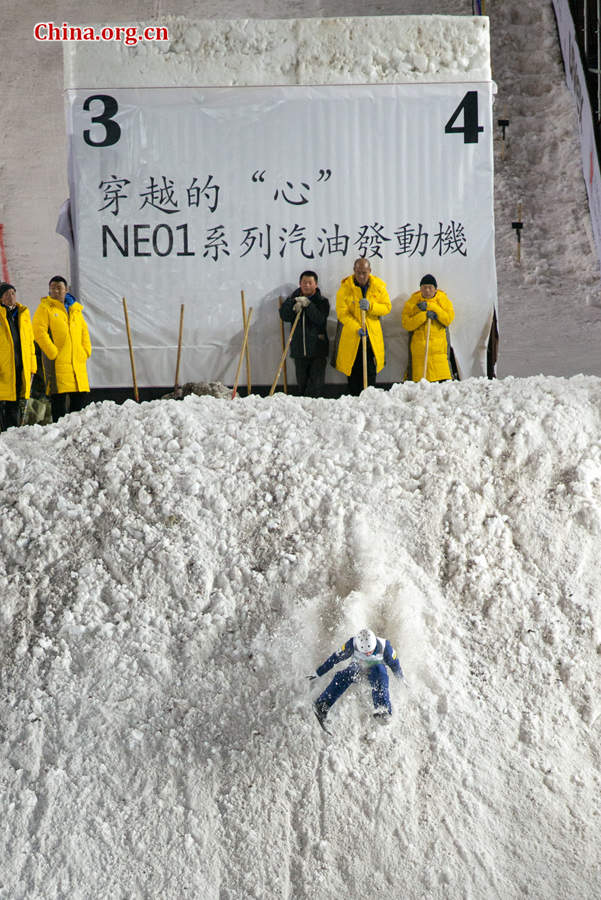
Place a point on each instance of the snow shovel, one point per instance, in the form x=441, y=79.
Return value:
x=364, y=348
x=176, y=388
x=244, y=343
x=131, y=352
x=285, y=353
x=427, y=343
x=280, y=301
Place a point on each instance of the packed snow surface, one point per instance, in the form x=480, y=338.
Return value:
x=172, y=571
x=349, y=50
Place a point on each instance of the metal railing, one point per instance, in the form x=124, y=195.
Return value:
x=587, y=21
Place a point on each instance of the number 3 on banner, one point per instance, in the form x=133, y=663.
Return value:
x=470, y=130
x=112, y=131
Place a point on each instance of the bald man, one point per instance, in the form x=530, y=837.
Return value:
x=361, y=291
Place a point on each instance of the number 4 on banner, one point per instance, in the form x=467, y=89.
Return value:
x=469, y=108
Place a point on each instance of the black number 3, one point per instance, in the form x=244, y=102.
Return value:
x=112, y=130
x=469, y=108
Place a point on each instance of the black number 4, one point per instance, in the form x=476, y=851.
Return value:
x=470, y=129
x=112, y=131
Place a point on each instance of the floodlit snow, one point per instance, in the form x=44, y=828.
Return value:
x=171, y=572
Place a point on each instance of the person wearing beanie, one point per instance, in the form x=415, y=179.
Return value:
x=17, y=355
x=361, y=291
x=61, y=333
x=427, y=315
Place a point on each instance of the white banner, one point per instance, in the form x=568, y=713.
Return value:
x=190, y=195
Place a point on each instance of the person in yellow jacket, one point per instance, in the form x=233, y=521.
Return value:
x=427, y=315
x=62, y=335
x=361, y=291
x=17, y=355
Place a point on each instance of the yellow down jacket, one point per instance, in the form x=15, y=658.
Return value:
x=7, y=355
x=349, y=314
x=64, y=341
x=416, y=321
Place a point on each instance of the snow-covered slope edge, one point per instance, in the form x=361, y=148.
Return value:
x=171, y=571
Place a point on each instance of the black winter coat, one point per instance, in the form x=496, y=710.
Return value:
x=310, y=337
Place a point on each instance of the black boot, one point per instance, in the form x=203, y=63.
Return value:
x=321, y=710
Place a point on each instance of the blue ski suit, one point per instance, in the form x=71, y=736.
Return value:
x=373, y=667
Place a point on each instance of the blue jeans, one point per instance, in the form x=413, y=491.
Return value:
x=377, y=676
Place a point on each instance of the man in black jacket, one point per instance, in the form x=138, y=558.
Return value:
x=309, y=347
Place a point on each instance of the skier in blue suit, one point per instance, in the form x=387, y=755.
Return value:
x=370, y=655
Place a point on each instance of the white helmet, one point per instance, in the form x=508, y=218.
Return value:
x=365, y=641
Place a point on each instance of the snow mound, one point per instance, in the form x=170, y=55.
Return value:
x=357, y=50
x=170, y=573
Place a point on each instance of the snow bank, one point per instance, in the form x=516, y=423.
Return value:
x=357, y=50
x=171, y=571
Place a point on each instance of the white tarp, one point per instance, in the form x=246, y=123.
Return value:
x=189, y=195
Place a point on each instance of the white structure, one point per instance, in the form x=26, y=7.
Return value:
x=188, y=195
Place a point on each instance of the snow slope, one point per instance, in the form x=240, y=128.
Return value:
x=550, y=303
x=172, y=571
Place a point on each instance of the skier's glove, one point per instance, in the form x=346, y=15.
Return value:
x=422, y=305
x=364, y=303
x=362, y=332
x=312, y=676
x=431, y=314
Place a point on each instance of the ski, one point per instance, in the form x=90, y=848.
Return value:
x=321, y=720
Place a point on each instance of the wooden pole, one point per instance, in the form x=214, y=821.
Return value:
x=179, y=345
x=280, y=301
x=131, y=353
x=248, y=382
x=285, y=352
x=364, y=348
x=244, y=343
x=427, y=346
